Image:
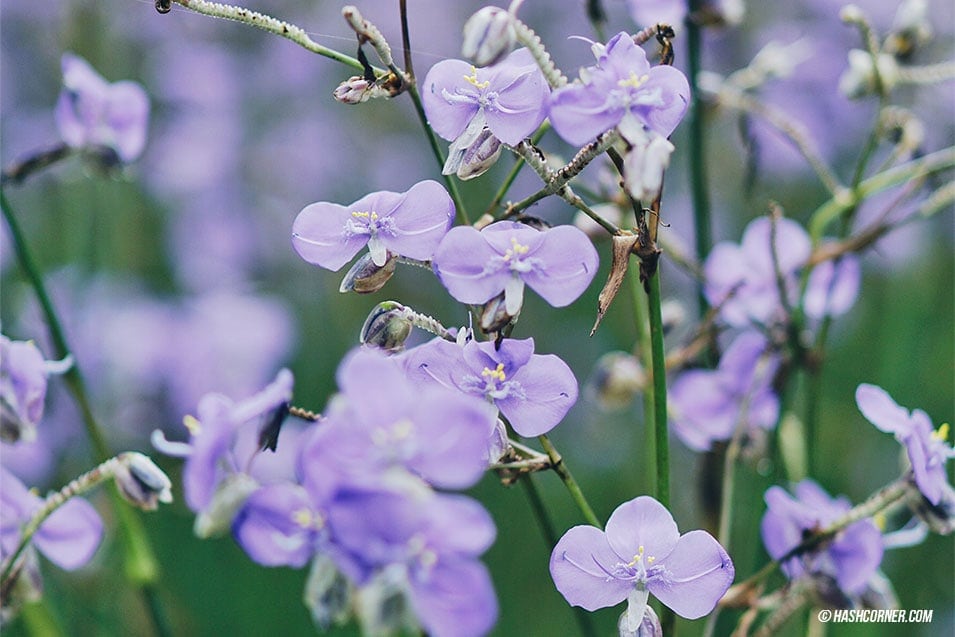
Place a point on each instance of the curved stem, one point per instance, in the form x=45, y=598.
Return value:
x=17, y=172
x=568, y=479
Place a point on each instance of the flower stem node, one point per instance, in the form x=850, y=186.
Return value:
x=141, y=482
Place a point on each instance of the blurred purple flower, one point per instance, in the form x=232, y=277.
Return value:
x=409, y=224
x=557, y=263
x=649, y=12
x=23, y=375
x=928, y=450
x=851, y=558
x=742, y=279
x=279, y=525
x=431, y=542
x=622, y=89
x=708, y=405
x=91, y=112
x=209, y=454
x=381, y=420
x=68, y=538
x=533, y=391
x=641, y=552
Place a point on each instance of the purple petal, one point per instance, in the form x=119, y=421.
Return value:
x=580, y=566
x=126, y=117
x=455, y=599
x=642, y=523
x=318, y=235
x=791, y=240
x=522, y=97
x=421, y=221
x=513, y=353
x=448, y=119
x=856, y=555
x=699, y=573
x=374, y=386
x=276, y=526
x=200, y=474
x=570, y=263
x=461, y=525
x=71, y=535
x=675, y=90
x=437, y=361
x=578, y=114
x=702, y=410
x=550, y=390
x=928, y=465
x=832, y=288
x=883, y=412
x=460, y=263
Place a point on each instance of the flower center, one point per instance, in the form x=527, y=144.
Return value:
x=473, y=81
x=368, y=223
x=192, y=424
x=496, y=375
x=308, y=519
x=634, y=81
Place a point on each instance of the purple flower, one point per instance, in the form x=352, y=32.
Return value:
x=210, y=456
x=851, y=558
x=641, y=552
x=92, y=113
x=928, y=449
x=558, y=263
x=621, y=89
x=23, y=374
x=742, y=279
x=533, y=391
x=708, y=405
x=68, y=538
x=409, y=224
x=382, y=420
x=509, y=98
x=280, y=525
x=430, y=543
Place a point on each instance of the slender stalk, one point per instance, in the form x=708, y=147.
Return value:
x=18, y=172
x=659, y=374
x=568, y=479
x=514, y=172
x=539, y=509
x=405, y=36
x=141, y=566
x=273, y=25
x=40, y=620
x=643, y=349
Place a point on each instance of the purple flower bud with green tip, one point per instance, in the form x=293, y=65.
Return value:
x=474, y=266
x=92, y=113
x=928, y=449
x=641, y=552
x=852, y=557
x=409, y=224
x=68, y=538
x=533, y=391
x=622, y=86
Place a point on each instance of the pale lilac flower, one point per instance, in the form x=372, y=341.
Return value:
x=928, y=450
x=408, y=224
x=533, y=391
x=92, y=113
x=509, y=98
x=851, y=558
x=744, y=279
x=641, y=552
x=709, y=405
x=557, y=263
x=428, y=545
x=23, y=379
x=382, y=420
x=68, y=538
x=280, y=525
x=621, y=89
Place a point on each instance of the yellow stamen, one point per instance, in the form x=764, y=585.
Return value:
x=633, y=81
x=192, y=424
x=942, y=432
x=879, y=519
x=637, y=558
x=372, y=216
x=516, y=249
x=472, y=79
x=306, y=518
x=497, y=374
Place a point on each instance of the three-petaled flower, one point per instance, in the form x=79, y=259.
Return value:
x=641, y=552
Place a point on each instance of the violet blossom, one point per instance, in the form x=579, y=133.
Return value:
x=533, y=391
x=280, y=525
x=928, y=449
x=508, y=100
x=622, y=89
x=426, y=546
x=380, y=420
x=557, y=263
x=709, y=405
x=641, y=552
x=744, y=280
x=68, y=537
x=409, y=224
x=92, y=114
x=23, y=381
x=851, y=558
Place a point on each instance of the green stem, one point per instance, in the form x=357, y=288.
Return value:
x=140, y=563
x=659, y=375
x=644, y=352
x=40, y=620
x=568, y=479
x=539, y=509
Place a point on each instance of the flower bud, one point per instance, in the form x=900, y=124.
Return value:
x=357, y=89
x=488, y=36
x=141, y=482
x=859, y=79
x=495, y=317
x=327, y=593
x=644, y=165
x=387, y=327
x=226, y=503
x=617, y=377
x=476, y=158
x=649, y=626
x=911, y=29
x=365, y=277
